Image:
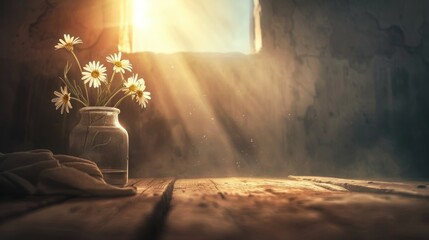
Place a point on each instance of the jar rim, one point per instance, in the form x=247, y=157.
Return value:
x=100, y=109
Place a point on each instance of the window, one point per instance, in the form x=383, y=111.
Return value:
x=168, y=26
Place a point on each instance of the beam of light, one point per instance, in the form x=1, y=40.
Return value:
x=168, y=26
x=187, y=100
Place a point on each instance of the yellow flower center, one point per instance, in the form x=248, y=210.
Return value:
x=118, y=64
x=140, y=93
x=69, y=47
x=95, y=74
x=132, y=88
x=66, y=98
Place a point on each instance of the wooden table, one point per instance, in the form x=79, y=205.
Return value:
x=229, y=208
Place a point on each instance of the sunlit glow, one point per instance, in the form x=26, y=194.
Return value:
x=257, y=26
x=194, y=96
x=168, y=26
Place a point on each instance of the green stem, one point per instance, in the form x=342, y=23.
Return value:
x=109, y=83
x=80, y=68
x=76, y=99
x=122, y=77
x=98, y=96
x=77, y=61
x=111, y=79
x=79, y=91
x=113, y=95
x=120, y=100
x=67, y=83
x=86, y=92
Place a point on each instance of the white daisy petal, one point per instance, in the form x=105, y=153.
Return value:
x=62, y=100
x=57, y=94
x=94, y=74
x=118, y=64
x=142, y=97
x=68, y=42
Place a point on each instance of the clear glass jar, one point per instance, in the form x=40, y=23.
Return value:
x=100, y=138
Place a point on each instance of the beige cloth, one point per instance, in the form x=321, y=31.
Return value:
x=41, y=172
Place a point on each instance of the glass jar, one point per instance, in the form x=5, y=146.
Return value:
x=100, y=138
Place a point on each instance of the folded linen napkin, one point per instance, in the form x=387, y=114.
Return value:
x=41, y=172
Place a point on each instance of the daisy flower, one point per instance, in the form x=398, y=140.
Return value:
x=119, y=65
x=142, y=96
x=133, y=84
x=62, y=100
x=94, y=74
x=68, y=42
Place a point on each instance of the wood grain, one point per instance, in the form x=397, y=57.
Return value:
x=206, y=208
x=90, y=218
x=252, y=208
x=11, y=207
x=406, y=188
x=15, y=207
x=236, y=208
x=197, y=212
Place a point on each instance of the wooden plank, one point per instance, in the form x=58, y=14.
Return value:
x=262, y=208
x=260, y=186
x=133, y=181
x=201, y=208
x=371, y=216
x=196, y=212
x=15, y=207
x=230, y=208
x=90, y=218
x=11, y=207
x=241, y=208
x=407, y=188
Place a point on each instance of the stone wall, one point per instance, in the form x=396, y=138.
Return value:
x=339, y=88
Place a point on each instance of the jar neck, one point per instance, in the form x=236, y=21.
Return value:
x=99, y=116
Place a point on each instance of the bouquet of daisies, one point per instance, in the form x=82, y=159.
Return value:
x=94, y=76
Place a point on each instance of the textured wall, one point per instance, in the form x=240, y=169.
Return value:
x=339, y=88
